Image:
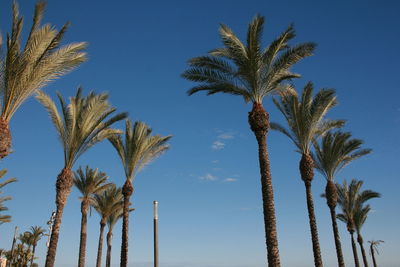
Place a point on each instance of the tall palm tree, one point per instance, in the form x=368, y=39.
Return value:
x=24, y=71
x=374, y=247
x=84, y=122
x=106, y=203
x=88, y=182
x=136, y=150
x=253, y=73
x=111, y=221
x=360, y=216
x=306, y=121
x=36, y=234
x=335, y=151
x=4, y=218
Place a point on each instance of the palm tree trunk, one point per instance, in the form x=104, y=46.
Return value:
x=259, y=124
x=100, y=248
x=5, y=138
x=33, y=254
x=63, y=189
x=109, y=247
x=82, y=243
x=331, y=197
x=127, y=191
x=361, y=243
x=354, y=247
x=307, y=175
x=373, y=255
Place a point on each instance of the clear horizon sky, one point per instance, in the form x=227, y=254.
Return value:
x=208, y=184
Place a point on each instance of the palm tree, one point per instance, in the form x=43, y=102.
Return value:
x=360, y=216
x=84, y=122
x=138, y=149
x=106, y=203
x=333, y=154
x=23, y=72
x=111, y=221
x=374, y=247
x=36, y=234
x=5, y=218
x=88, y=183
x=305, y=118
x=249, y=71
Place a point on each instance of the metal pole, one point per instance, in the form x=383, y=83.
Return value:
x=155, y=233
x=13, y=245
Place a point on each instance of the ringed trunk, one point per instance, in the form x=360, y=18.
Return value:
x=5, y=138
x=63, y=189
x=373, y=255
x=259, y=124
x=109, y=247
x=307, y=175
x=100, y=248
x=361, y=243
x=331, y=198
x=127, y=191
x=83, y=236
x=33, y=254
x=354, y=247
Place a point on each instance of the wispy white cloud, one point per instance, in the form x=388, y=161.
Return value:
x=218, y=145
x=208, y=177
x=230, y=180
x=215, y=161
x=226, y=136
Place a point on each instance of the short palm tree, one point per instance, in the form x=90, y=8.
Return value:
x=253, y=73
x=106, y=203
x=354, y=211
x=306, y=121
x=374, y=247
x=111, y=221
x=88, y=182
x=23, y=72
x=335, y=151
x=84, y=122
x=136, y=149
x=4, y=218
x=36, y=234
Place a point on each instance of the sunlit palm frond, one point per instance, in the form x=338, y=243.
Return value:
x=42, y=60
x=85, y=122
x=89, y=182
x=106, y=202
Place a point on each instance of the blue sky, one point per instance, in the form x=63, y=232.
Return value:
x=208, y=183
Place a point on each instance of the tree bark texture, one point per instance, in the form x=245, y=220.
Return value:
x=83, y=236
x=127, y=191
x=100, y=247
x=373, y=255
x=63, y=189
x=109, y=247
x=361, y=243
x=331, y=198
x=307, y=175
x=354, y=247
x=5, y=138
x=259, y=123
x=33, y=254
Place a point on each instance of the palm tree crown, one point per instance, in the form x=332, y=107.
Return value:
x=335, y=152
x=83, y=122
x=246, y=69
x=4, y=218
x=305, y=115
x=107, y=201
x=89, y=182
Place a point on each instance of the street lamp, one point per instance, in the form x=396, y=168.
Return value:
x=50, y=224
x=155, y=210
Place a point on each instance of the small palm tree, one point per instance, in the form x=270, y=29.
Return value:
x=354, y=212
x=138, y=149
x=305, y=118
x=253, y=73
x=23, y=72
x=106, y=203
x=4, y=218
x=36, y=234
x=84, y=122
x=335, y=152
x=374, y=247
x=88, y=182
x=111, y=221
